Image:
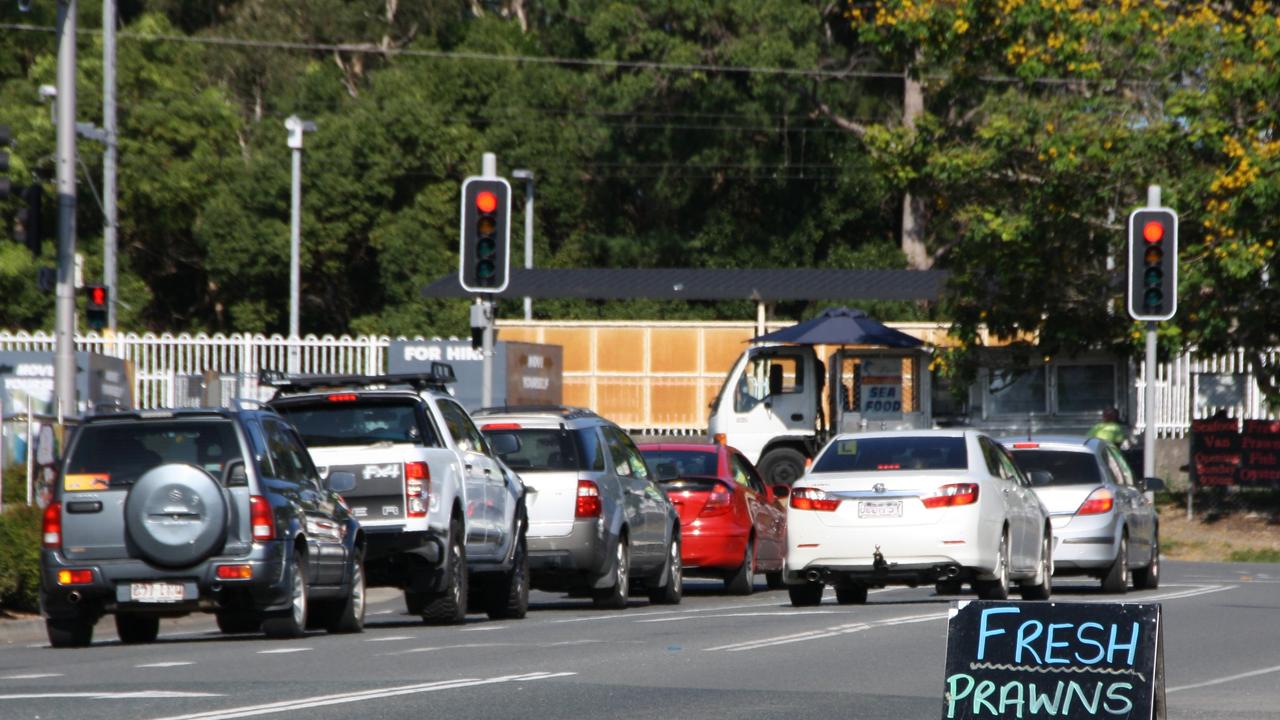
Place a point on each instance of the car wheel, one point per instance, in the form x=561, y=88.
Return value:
x=135, y=629
x=615, y=596
x=782, y=466
x=450, y=606
x=69, y=632
x=997, y=589
x=806, y=595
x=414, y=602
x=292, y=622
x=1117, y=578
x=508, y=598
x=742, y=581
x=948, y=587
x=1041, y=587
x=672, y=591
x=348, y=616
x=234, y=622
x=1148, y=578
x=774, y=580
x=851, y=593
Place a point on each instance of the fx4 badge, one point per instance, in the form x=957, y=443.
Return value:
x=381, y=471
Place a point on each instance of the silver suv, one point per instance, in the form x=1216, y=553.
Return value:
x=599, y=525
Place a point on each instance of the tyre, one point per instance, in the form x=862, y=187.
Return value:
x=806, y=595
x=414, y=602
x=782, y=466
x=672, y=591
x=348, y=615
x=508, y=596
x=1117, y=578
x=774, y=580
x=849, y=593
x=292, y=622
x=449, y=607
x=615, y=596
x=135, y=629
x=1041, y=586
x=742, y=581
x=948, y=587
x=1148, y=578
x=997, y=589
x=235, y=622
x=69, y=632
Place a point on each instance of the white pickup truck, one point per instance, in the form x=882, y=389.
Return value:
x=444, y=518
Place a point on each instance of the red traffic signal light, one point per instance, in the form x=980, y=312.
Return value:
x=96, y=307
x=484, y=249
x=1153, y=264
x=486, y=202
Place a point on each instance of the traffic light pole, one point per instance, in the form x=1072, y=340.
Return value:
x=1149, y=395
x=489, y=169
x=64, y=360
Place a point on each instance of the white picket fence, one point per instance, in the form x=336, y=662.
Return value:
x=162, y=362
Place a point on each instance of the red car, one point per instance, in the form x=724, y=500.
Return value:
x=732, y=525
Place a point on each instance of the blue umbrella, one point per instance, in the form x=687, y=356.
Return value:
x=841, y=326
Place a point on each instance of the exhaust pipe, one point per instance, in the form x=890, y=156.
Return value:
x=813, y=576
x=73, y=596
x=951, y=571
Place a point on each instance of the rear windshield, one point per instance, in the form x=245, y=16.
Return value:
x=117, y=454
x=896, y=453
x=546, y=449
x=358, y=423
x=688, y=463
x=1067, y=468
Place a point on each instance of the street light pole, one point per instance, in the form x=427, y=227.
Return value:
x=64, y=364
x=1149, y=395
x=109, y=158
x=527, y=176
x=296, y=127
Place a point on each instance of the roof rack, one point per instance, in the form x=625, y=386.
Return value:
x=440, y=375
x=567, y=412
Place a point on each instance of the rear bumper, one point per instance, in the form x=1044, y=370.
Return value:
x=586, y=550
x=1086, y=543
x=409, y=560
x=109, y=590
x=717, y=550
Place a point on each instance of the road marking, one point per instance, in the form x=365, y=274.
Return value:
x=32, y=676
x=1194, y=591
x=283, y=651
x=657, y=613
x=483, y=628
x=1227, y=679
x=136, y=695
x=680, y=618
x=469, y=646
x=832, y=631
x=390, y=638
x=343, y=698
x=178, y=663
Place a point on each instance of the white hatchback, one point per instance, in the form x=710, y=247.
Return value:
x=916, y=507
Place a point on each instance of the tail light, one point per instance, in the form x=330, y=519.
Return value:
x=261, y=519
x=417, y=488
x=499, y=426
x=588, y=500
x=806, y=498
x=343, y=397
x=75, y=577
x=51, y=526
x=952, y=495
x=1098, y=502
x=720, y=502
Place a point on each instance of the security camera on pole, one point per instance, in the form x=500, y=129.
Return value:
x=484, y=254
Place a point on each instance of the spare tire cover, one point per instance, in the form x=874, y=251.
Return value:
x=176, y=515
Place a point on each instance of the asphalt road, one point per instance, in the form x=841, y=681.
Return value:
x=711, y=657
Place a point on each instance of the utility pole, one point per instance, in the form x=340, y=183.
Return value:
x=1149, y=396
x=296, y=127
x=109, y=158
x=64, y=365
x=527, y=176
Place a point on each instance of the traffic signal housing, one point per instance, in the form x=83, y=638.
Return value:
x=97, y=300
x=1153, y=264
x=484, y=261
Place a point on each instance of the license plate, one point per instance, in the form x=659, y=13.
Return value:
x=880, y=509
x=156, y=592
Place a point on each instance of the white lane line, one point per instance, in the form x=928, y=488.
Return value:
x=32, y=676
x=343, y=698
x=1193, y=592
x=177, y=663
x=381, y=612
x=389, y=638
x=283, y=651
x=134, y=695
x=470, y=646
x=680, y=618
x=1227, y=679
x=483, y=628
x=832, y=631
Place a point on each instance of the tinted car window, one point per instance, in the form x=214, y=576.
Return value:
x=741, y=465
x=364, y=423
x=1067, y=468
x=117, y=454
x=285, y=456
x=689, y=463
x=589, y=445
x=896, y=453
x=541, y=449
x=465, y=433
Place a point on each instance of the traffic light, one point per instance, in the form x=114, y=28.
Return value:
x=26, y=221
x=95, y=308
x=484, y=258
x=5, y=138
x=1153, y=264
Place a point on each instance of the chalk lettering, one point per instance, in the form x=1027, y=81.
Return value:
x=1095, y=643
x=1113, y=693
x=1024, y=641
x=984, y=633
x=1050, y=645
x=1040, y=702
x=985, y=689
x=1131, y=646
x=1006, y=699
x=955, y=694
x=1073, y=688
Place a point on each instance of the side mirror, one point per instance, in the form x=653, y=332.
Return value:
x=504, y=443
x=667, y=471
x=341, y=482
x=1151, y=484
x=1040, y=478
x=781, y=492
x=234, y=474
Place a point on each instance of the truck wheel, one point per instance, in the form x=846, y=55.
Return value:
x=450, y=607
x=135, y=629
x=806, y=595
x=69, y=632
x=508, y=597
x=615, y=596
x=782, y=466
x=742, y=581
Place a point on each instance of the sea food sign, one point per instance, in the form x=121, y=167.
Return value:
x=1054, y=660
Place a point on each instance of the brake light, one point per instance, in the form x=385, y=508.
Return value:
x=235, y=572
x=500, y=426
x=588, y=500
x=342, y=397
x=720, y=439
x=261, y=519
x=51, y=526
x=75, y=577
x=1098, y=502
x=889, y=466
x=720, y=502
x=952, y=495
x=417, y=488
x=805, y=498
x=1025, y=445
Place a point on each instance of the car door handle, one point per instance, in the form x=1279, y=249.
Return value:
x=488, y=471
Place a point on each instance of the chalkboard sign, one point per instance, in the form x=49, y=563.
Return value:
x=1054, y=660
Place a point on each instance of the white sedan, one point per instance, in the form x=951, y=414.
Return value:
x=916, y=507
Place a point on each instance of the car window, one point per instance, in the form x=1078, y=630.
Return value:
x=626, y=457
x=539, y=449
x=1118, y=467
x=1067, y=467
x=117, y=454
x=689, y=463
x=991, y=455
x=289, y=464
x=465, y=433
x=906, y=452
x=753, y=478
x=589, y=445
x=617, y=452
x=1009, y=468
x=328, y=423
x=259, y=445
